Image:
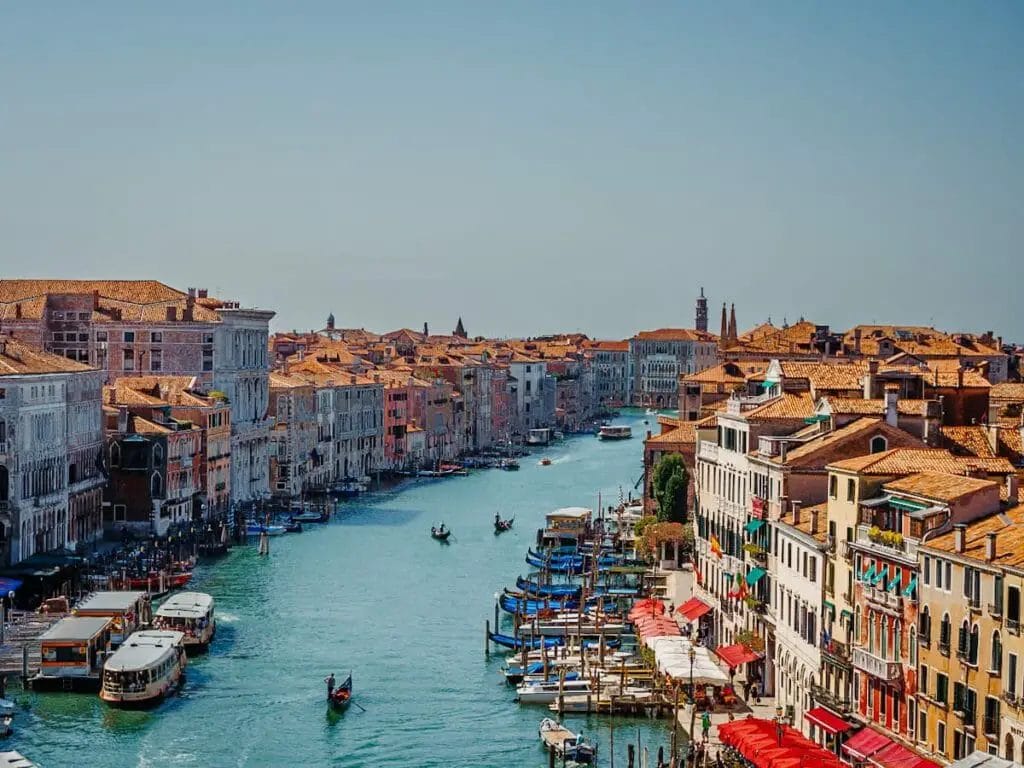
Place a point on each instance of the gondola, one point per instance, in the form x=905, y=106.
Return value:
x=441, y=534
x=500, y=526
x=527, y=607
x=547, y=590
x=309, y=517
x=516, y=643
x=293, y=526
x=342, y=695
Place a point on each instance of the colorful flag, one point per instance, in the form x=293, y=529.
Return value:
x=716, y=548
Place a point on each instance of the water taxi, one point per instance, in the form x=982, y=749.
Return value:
x=129, y=611
x=146, y=667
x=564, y=743
x=546, y=693
x=72, y=653
x=615, y=432
x=190, y=613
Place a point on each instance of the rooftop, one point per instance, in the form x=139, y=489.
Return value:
x=1009, y=529
x=900, y=461
x=143, y=649
x=110, y=601
x=20, y=359
x=939, y=486
x=76, y=628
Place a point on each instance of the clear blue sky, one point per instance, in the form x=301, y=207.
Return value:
x=531, y=166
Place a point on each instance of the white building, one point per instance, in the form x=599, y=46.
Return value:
x=529, y=375
x=241, y=371
x=660, y=357
x=38, y=472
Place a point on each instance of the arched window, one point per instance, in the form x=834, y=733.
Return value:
x=963, y=640
x=997, y=652
x=879, y=444
x=856, y=623
x=897, y=640
x=945, y=633
x=158, y=454
x=1008, y=747
x=972, y=648
x=157, y=485
x=871, y=634
x=925, y=624
x=115, y=455
x=883, y=637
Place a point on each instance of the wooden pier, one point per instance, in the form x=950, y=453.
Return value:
x=19, y=653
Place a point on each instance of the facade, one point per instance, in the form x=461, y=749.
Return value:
x=50, y=463
x=660, y=357
x=293, y=438
x=530, y=376
x=612, y=367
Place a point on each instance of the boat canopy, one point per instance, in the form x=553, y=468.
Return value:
x=110, y=601
x=186, y=605
x=143, y=650
x=72, y=628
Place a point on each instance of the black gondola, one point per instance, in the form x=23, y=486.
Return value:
x=441, y=534
x=500, y=526
x=341, y=697
x=292, y=526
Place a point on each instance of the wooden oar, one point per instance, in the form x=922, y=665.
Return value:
x=356, y=703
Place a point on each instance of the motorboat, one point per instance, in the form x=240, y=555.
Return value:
x=440, y=534
x=545, y=462
x=566, y=744
x=545, y=693
x=309, y=516
x=256, y=529
x=144, y=670
x=615, y=432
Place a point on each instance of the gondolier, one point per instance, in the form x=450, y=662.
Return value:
x=330, y=684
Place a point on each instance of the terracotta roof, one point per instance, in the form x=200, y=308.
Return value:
x=279, y=380
x=972, y=440
x=789, y=405
x=727, y=373
x=804, y=526
x=918, y=340
x=827, y=376
x=1007, y=391
x=874, y=407
x=610, y=346
x=851, y=440
x=1009, y=529
x=947, y=378
x=674, y=334
x=939, y=486
x=684, y=433
x=795, y=338
x=19, y=358
x=899, y=461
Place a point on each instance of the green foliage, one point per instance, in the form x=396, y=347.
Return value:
x=671, y=483
x=750, y=640
x=892, y=539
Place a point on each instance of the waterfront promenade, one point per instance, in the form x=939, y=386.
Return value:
x=370, y=592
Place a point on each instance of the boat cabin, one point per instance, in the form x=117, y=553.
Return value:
x=566, y=526
x=146, y=667
x=129, y=611
x=72, y=653
x=540, y=436
x=190, y=613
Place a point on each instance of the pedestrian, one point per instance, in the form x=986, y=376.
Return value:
x=732, y=674
x=705, y=725
x=757, y=691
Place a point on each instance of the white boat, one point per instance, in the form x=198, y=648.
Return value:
x=545, y=693
x=564, y=743
x=255, y=529
x=129, y=611
x=13, y=759
x=146, y=667
x=615, y=432
x=72, y=652
x=651, y=412
x=190, y=613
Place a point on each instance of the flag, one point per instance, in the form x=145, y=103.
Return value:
x=696, y=571
x=741, y=588
x=716, y=548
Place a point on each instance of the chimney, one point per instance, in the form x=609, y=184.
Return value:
x=376, y=378
x=95, y=300
x=203, y=293
x=352, y=379
x=190, y=303
x=960, y=376
x=17, y=311
x=990, y=547
x=426, y=330
x=191, y=293
x=122, y=419
x=302, y=354
x=3, y=345
x=892, y=399
x=814, y=521
x=869, y=379
x=1012, y=489
x=796, y=511
x=959, y=536
x=172, y=313
x=782, y=451
x=856, y=340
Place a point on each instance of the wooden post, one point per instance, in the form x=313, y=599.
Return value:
x=496, y=624
x=630, y=755
x=611, y=743
x=24, y=666
x=487, y=638
x=561, y=690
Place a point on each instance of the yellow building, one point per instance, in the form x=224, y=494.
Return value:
x=971, y=657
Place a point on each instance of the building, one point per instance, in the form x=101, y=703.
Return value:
x=612, y=365
x=969, y=654
x=51, y=457
x=660, y=357
x=293, y=438
x=143, y=327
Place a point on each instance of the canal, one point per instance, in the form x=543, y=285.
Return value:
x=369, y=592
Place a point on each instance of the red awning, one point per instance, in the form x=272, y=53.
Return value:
x=734, y=655
x=897, y=756
x=693, y=609
x=828, y=722
x=865, y=743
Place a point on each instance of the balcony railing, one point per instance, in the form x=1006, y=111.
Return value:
x=875, y=665
x=884, y=598
x=847, y=552
x=838, y=652
x=1013, y=626
x=826, y=698
x=944, y=647
x=707, y=450
x=924, y=639
x=974, y=604
x=995, y=610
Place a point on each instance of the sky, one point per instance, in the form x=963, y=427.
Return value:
x=531, y=166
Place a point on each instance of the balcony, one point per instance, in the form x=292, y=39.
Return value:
x=707, y=451
x=836, y=652
x=995, y=610
x=944, y=647
x=924, y=640
x=974, y=604
x=882, y=598
x=1010, y=697
x=3, y=447
x=886, y=543
x=847, y=552
x=1013, y=626
x=876, y=666
x=831, y=701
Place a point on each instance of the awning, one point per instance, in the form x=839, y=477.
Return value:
x=909, y=506
x=895, y=583
x=734, y=655
x=865, y=743
x=845, y=614
x=753, y=526
x=880, y=576
x=829, y=605
x=897, y=756
x=908, y=591
x=693, y=609
x=755, y=575
x=869, y=573
x=8, y=585
x=831, y=724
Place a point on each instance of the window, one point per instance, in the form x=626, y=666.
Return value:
x=59, y=336
x=833, y=482
x=941, y=688
x=101, y=336
x=851, y=489
x=156, y=360
x=128, y=360
x=120, y=512
x=1013, y=604
x=879, y=444
x=115, y=455
x=922, y=726
x=972, y=648
x=928, y=571
x=922, y=682
x=1011, y=673
x=949, y=576
x=156, y=337
x=129, y=337
x=938, y=574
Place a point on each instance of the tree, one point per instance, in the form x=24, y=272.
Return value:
x=671, y=484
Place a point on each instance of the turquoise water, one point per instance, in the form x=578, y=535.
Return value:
x=369, y=592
